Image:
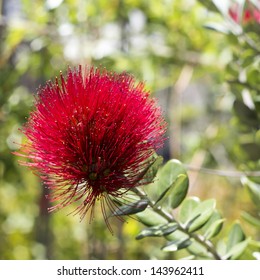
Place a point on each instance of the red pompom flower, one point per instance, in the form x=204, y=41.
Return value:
x=91, y=136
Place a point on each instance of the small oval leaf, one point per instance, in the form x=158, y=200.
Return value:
x=209, y=230
x=168, y=174
x=235, y=236
x=251, y=219
x=203, y=213
x=253, y=188
x=150, y=218
x=198, y=250
x=187, y=208
x=180, y=190
x=176, y=192
x=214, y=229
x=158, y=230
x=177, y=245
x=237, y=250
x=132, y=208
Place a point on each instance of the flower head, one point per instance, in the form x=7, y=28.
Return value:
x=91, y=136
x=245, y=14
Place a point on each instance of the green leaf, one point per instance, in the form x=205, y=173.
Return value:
x=214, y=229
x=177, y=245
x=188, y=258
x=237, y=250
x=169, y=173
x=132, y=208
x=236, y=235
x=201, y=215
x=209, y=5
x=150, y=218
x=253, y=188
x=221, y=247
x=179, y=191
x=161, y=230
x=252, y=150
x=172, y=182
x=198, y=250
x=251, y=219
x=222, y=6
x=177, y=235
x=221, y=28
x=187, y=208
x=213, y=225
x=245, y=114
x=254, y=244
x=190, y=222
x=176, y=192
x=152, y=170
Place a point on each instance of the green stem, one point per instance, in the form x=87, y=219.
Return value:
x=200, y=239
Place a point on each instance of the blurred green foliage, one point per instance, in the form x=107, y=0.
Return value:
x=184, y=64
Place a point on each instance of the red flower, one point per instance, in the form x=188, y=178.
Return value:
x=247, y=16
x=91, y=135
x=256, y=15
x=250, y=13
x=233, y=12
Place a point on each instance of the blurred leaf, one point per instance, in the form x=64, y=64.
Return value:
x=217, y=27
x=252, y=150
x=158, y=230
x=176, y=192
x=221, y=247
x=222, y=6
x=176, y=245
x=236, y=235
x=203, y=213
x=253, y=188
x=209, y=5
x=245, y=114
x=198, y=250
x=254, y=244
x=15, y=35
x=191, y=257
x=150, y=218
x=187, y=208
x=251, y=219
x=253, y=75
x=176, y=235
x=132, y=208
x=237, y=250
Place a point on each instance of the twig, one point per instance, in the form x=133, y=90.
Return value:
x=200, y=239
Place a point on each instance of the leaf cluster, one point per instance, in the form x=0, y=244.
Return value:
x=193, y=227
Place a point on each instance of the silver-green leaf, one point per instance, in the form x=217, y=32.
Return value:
x=162, y=230
x=201, y=215
x=177, y=245
x=131, y=208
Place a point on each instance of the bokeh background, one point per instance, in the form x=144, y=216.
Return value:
x=163, y=43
